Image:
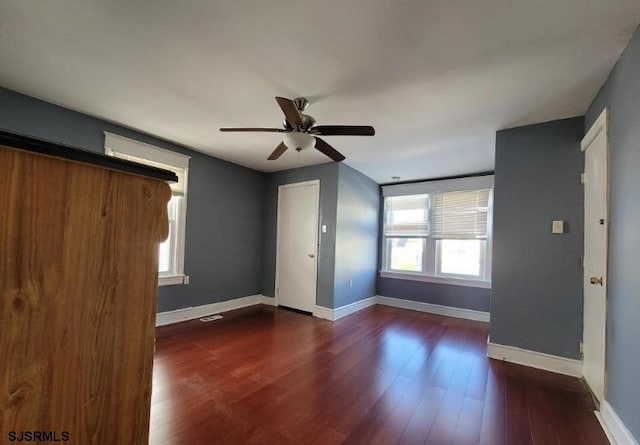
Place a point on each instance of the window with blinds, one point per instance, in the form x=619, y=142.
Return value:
x=443, y=232
x=406, y=228
x=460, y=214
x=407, y=216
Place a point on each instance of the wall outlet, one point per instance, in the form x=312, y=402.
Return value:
x=186, y=279
x=324, y=228
x=350, y=283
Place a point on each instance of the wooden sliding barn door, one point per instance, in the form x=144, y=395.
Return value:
x=78, y=284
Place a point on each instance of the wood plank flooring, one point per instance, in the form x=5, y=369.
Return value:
x=381, y=376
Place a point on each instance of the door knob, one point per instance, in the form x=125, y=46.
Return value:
x=311, y=255
x=595, y=280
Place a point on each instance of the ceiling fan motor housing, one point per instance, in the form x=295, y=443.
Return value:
x=307, y=123
x=301, y=103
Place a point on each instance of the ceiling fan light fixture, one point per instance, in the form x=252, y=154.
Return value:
x=298, y=140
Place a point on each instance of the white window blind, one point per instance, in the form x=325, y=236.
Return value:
x=407, y=216
x=460, y=214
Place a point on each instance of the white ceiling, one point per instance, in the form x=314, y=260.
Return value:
x=435, y=78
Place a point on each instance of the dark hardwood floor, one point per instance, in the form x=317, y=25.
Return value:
x=380, y=376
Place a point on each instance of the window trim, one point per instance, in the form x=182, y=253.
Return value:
x=435, y=279
x=115, y=144
x=440, y=185
x=430, y=252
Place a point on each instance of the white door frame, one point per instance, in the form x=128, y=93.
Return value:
x=315, y=182
x=601, y=125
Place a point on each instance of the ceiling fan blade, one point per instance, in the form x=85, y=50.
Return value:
x=263, y=130
x=290, y=111
x=277, y=152
x=343, y=130
x=328, y=150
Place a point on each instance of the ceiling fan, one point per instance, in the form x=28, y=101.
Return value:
x=302, y=132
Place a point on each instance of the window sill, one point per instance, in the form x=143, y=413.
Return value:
x=169, y=280
x=432, y=279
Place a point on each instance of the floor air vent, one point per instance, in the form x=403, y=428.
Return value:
x=211, y=318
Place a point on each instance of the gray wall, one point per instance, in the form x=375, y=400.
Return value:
x=223, y=235
x=356, y=251
x=328, y=176
x=536, y=298
x=621, y=93
x=464, y=297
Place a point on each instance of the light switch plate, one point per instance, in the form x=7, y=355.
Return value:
x=557, y=227
x=324, y=228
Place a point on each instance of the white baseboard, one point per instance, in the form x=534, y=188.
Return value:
x=269, y=301
x=613, y=427
x=190, y=313
x=349, y=309
x=434, y=308
x=553, y=363
x=335, y=314
x=343, y=311
x=605, y=428
x=323, y=312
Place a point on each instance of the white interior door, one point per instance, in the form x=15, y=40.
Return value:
x=296, y=267
x=596, y=220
